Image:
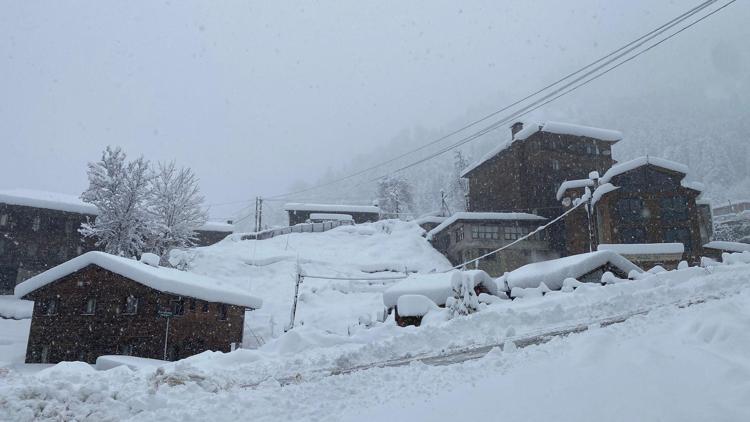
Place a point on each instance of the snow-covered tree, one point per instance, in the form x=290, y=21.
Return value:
x=121, y=192
x=457, y=188
x=395, y=196
x=176, y=207
x=464, y=300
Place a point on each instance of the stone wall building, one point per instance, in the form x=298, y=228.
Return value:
x=100, y=304
x=39, y=230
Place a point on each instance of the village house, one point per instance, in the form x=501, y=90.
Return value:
x=715, y=249
x=213, y=232
x=642, y=208
x=523, y=173
x=100, y=304
x=732, y=207
x=39, y=230
x=468, y=235
x=305, y=213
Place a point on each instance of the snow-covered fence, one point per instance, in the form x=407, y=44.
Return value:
x=298, y=228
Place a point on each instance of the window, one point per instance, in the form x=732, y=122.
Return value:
x=178, y=307
x=32, y=249
x=489, y=258
x=2, y=246
x=90, y=307
x=192, y=305
x=459, y=234
x=204, y=308
x=50, y=306
x=485, y=232
x=131, y=305
x=514, y=232
x=674, y=208
x=3, y=219
x=79, y=250
x=69, y=227
x=44, y=355
x=36, y=223
x=632, y=235
x=630, y=208
x=222, y=312
x=555, y=165
x=126, y=349
x=590, y=149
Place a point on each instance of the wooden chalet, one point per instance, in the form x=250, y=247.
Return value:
x=39, y=230
x=522, y=173
x=100, y=304
x=213, y=232
x=644, y=201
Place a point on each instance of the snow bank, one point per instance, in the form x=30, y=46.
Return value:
x=106, y=362
x=553, y=273
x=414, y=305
x=483, y=216
x=47, y=200
x=633, y=164
x=159, y=278
x=736, y=258
x=337, y=208
x=643, y=248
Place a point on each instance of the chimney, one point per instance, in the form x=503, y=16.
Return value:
x=515, y=128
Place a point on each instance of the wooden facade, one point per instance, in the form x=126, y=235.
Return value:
x=650, y=205
x=359, y=217
x=525, y=175
x=91, y=312
x=34, y=239
x=465, y=239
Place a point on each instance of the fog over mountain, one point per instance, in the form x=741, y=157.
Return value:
x=264, y=98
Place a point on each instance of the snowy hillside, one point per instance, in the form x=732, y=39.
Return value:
x=268, y=268
x=669, y=346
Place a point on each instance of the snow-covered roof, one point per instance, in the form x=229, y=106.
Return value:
x=530, y=128
x=336, y=208
x=602, y=190
x=216, y=226
x=414, y=305
x=429, y=219
x=633, y=164
x=572, y=184
x=483, y=216
x=164, y=279
x=436, y=286
x=643, y=248
x=329, y=216
x=554, y=272
x=728, y=246
x=47, y=200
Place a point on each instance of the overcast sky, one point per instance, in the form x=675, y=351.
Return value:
x=255, y=96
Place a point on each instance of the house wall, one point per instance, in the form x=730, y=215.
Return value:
x=71, y=335
x=459, y=250
x=27, y=249
x=299, y=217
x=654, y=222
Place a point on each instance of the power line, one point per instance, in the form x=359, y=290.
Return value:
x=548, y=98
x=648, y=35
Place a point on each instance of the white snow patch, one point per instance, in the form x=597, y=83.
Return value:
x=483, y=216
x=414, y=305
x=47, y=200
x=728, y=246
x=643, y=248
x=633, y=164
x=295, y=206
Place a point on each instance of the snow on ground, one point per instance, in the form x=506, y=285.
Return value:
x=267, y=269
x=676, y=363
x=14, y=335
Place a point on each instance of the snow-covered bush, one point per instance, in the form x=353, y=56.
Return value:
x=464, y=300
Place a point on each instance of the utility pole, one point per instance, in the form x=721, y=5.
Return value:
x=300, y=279
x=258, y=213
x=444, y=205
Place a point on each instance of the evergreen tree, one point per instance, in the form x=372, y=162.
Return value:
x=121, y=192
x=176, y=208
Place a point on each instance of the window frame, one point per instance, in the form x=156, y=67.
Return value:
x=126, y=306
x=86, y=306
x=36, y=223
